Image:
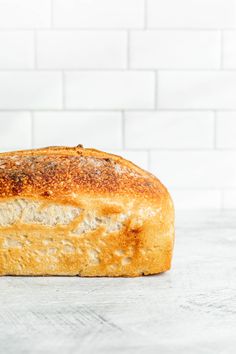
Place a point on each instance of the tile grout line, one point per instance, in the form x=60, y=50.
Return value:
x=149, y=159
x=128, y=50
x=221, y=50
x=182, y=150
x=51, y=19
x=91, y=110
x=63, y=91
x=156, y=90
x=106, y=29
x=145, y=14
x=115, y=70
x=32, y=129
x=215, y=131
x=35, y=51
x=123, y=129
x=222, y=199
x=176, y=29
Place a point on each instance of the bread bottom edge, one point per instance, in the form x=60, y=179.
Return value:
x=132, y=274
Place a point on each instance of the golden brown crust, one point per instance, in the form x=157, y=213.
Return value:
x=56, y=172
x=105, y=187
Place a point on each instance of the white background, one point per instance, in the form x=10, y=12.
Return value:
x=152, y=80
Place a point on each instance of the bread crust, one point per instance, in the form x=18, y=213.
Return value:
x=104, y=187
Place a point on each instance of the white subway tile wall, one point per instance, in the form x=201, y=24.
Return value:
x=25, y=14
x=199, y=14
x=16, y=50
x=82, y=49
x=169, y=130
x=188, y=169
x=229, y=49
x=30, y=90
x=226, y=130
x=98, y=14
x=15, y=130
x=109, y=90
x=151, y=80
x=102, y=130
x=175, y=49
x=197, y=90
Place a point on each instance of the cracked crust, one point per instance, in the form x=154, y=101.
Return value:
x=126, y=215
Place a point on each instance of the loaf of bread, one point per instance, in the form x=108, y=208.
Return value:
x=77, y=211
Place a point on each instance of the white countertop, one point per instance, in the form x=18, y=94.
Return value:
x=191, y=309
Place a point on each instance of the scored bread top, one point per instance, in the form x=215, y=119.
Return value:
x=58, y=172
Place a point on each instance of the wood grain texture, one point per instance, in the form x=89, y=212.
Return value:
x=191, y=309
